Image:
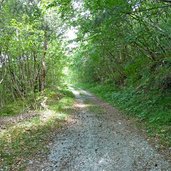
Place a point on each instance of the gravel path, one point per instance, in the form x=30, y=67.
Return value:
x=100, y=142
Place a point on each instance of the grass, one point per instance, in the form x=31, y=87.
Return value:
x=13, y=108
x=19, y=143
x=33, y=101
x=153, y=108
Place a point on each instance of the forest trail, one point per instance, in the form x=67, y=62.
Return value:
x=99, y=138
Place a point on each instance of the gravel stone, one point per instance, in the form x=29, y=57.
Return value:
x=106, y=143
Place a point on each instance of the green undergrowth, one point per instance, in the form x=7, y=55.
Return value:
x=150, y=107
x=13, y=108
x=33, y=102
x=20, y=142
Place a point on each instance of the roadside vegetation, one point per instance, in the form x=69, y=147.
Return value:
x=22, y=141
x=32, y=63
x=31, y=56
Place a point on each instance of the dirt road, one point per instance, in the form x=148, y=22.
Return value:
x=99, y=138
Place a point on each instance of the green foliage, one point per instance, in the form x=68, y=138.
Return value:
x=125, y=44
x=30, y=49
x=14, y=108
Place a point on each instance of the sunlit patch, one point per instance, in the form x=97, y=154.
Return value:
x=75, y=92
x=73, y=121
x=61, y=116
x=71, y=33
x=43, y=119
x=49, y=114
x=46, y=115
x=82, y=105
x=85, y=93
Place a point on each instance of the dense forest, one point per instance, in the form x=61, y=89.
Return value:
x=124, y=57
x=125, y=51
x=125, y=44
x=120, y=50
x=32, y=57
